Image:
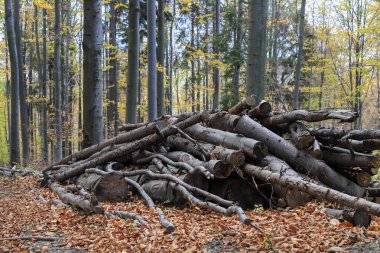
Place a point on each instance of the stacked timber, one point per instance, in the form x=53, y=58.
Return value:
x=226, y=162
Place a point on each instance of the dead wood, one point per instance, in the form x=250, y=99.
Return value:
x=262, y=110
x=129, y=127
x=76, y=201
x=310, y=116
x=296, y=158
x=128, y=215
x=111, y=187
x=128, y=148
x=300, y=135
x=246, y=103
x=219, y=169
x=345, y=134
x=34, y=238
x=358, y=217
x=233, y=157
x=315, y=190
x=343, y=158
x=252, y=148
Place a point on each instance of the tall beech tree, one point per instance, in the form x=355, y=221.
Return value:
x=258, y=11
x=160, y=58
x=92, y=73
x=57, y=80
x=216, y=52
x=22, y=84
x=133, y=60
x=152, y=61
x=301, y=33
x=15, y=96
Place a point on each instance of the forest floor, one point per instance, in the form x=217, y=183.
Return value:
x=304, y=229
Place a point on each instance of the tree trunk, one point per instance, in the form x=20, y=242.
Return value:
x=301, y=33
x=252, y=148
x=152, y=61
x=92, y=73
x=15, y=95
x=215, y=105
x=22, y=84
x=111, y=187
x=237, y=45
x=45, y=139
x=57, y=80
x=160, y=58
x=296, y=158
x=233, y=157
x=315, y=190
x=113, y=87
x=171, y=52
x=133, y=60
x=258, y=11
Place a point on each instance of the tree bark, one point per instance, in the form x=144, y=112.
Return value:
x=160, y=58
x=348, y=160
x=15, y=95
x=22, y=83
x=111, y=187
x=346, y=134
x=246, y=103
x=253, y=149
x=218, y=168
x=310, y=116
x=296, y=158
x=315, y=190
x=258, y=11
x=76, y=201
x=45, y=140
x=130, y=147
x=216, y=52
x=301, y=33
x=92, y=73
x=113, y=88
x=233, y=157
x=152, y=61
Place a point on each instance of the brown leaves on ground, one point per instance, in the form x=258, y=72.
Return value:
x=303, y=229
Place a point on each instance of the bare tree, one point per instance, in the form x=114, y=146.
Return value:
x=258, y=11
x=133, y=60
x=152, y=61
x=299, y=55
x=92, y=73
x=14, y=126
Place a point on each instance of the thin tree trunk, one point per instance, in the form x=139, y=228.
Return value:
x=113, y=88
x=45, y=145
x=67, y=79
x=258, y=10
x=299, y=56
x=152, y=61
x=171, y=50
x=160, y=58
x=57, y=80
x=238, y=41
x=14, y=130
x=216, y=52
x=133, y=60
x=92, y=73
x=22, y=84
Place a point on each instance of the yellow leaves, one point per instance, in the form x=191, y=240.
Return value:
x=43, y=4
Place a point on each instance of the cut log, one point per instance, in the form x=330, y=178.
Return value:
x=358, y=218
x=246, y=103
x=315, y=190
x=219, y=169
x=345, y=134
x=262, y=110
x=359, y=176
x=252, y=148
x=78, y=202
x=346, y=160
x=291, y=197
x=301, y=137
x=130, y=127
x=238, y=191
x=162, y=191
x=310, y=116
x=111, y=187
x=234, y=157
x=128, y=148
x=358, y=146
x=296, y=158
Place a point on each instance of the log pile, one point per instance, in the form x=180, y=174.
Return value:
x=226, y=162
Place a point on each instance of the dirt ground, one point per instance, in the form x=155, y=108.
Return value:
x=305, y=229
